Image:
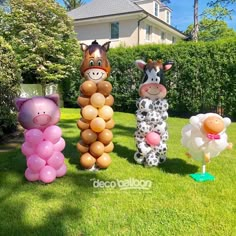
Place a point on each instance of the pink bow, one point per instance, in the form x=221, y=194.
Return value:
x=213, y=136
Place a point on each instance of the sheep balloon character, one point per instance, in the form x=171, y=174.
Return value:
x=151, y=134
x=43, y=142
x=205, y=137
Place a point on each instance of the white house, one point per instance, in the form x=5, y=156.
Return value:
x=125, y=22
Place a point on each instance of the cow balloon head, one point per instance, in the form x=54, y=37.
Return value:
x=95, y=65
x=153, y=84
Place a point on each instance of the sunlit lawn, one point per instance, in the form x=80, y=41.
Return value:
x=174, y=205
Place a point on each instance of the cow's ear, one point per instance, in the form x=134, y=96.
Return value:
x=140, y=64
x=167, y=65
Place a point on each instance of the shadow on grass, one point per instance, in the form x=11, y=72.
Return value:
x=178, y=166
x=124, y=152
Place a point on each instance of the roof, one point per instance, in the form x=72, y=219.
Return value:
x=100, y=8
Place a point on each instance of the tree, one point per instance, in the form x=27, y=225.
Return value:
x=211, y=30
x=72, y=4
x=42, y=36
x=218, y=10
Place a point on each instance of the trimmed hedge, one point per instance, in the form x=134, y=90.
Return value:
x=9, y=87
x=202, y=78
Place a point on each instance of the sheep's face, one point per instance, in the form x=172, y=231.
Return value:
x=213, y=125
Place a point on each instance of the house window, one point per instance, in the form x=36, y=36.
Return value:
x=115, y=30
x=148, y=32
x=156, y=9
x=168, y=17
x=163, y=36
x=173, y=39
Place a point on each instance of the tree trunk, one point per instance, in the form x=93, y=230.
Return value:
x=195, y=24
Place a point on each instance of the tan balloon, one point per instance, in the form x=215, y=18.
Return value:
x=89, y=112
x=110, y=124
x=103, y=161
x=83, y=101
x=88, y=88
x=97, y=100
x=82, y=147
x=104, y=87
x=109, y=147
x=87, y=160
x=82, y=124
x=88, y=136
x=96, y=149
x=106, y=112
x=105, y=136
x=98, y=124
x=109, y=101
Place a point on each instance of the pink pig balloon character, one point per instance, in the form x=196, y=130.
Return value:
x=43, y=142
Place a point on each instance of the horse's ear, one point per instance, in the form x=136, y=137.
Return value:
x=106, y=46
x=83, y=47
x=140, y=64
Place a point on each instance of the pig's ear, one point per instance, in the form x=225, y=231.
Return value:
x=140, y=64
x=167, y=65
x=19, y=102
x=55, y=98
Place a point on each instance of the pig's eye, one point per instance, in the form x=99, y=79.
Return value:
x=44, y=112
x=38, y=113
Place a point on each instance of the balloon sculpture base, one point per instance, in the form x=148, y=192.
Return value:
x=202, y=177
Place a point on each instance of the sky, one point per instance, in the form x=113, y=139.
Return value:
x=182, y=15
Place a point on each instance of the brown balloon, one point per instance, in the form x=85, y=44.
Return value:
x=109, y=147
x=87, y=160
x=98, y=124
x=104, y=160
x=89, y=112
x=83, y=101
x=110, y=124
x=104, y=87
x=105, y=112
x=88, y=88
x=105, y=136
x=82, y=124
x=97, y=100
x=96, y=149
x=88, y=136
x=109, y=101
x=82, y=147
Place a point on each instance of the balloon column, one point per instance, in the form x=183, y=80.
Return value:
x=95, y=101
x=43, y=142
x=205, y=138
x=151, y=134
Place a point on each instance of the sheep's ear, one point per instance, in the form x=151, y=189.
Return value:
x=55, y=98
x=140, y=64
x=227, y=121
x=195, y=121
x=19, y=102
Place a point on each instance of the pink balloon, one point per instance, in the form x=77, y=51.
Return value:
x=153, y=138
x=35, y=163
x=47, y=174
x=27, y=149
x=45, y=149
x=61, y=171
x=34, y=136
x=52, y=133
x=56, y=160
x=30, y=175
x=60, y=145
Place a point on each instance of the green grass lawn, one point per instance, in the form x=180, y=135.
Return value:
x=174, y=205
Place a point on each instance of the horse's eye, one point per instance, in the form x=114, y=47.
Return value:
x=91, y=63
x=99, y=62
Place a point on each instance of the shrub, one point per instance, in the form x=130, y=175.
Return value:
x=9, y=87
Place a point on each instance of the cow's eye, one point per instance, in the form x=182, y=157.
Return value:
x=99, y=62
x=91, y=63
x=158, y=73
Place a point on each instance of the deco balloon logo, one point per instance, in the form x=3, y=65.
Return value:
x=126, y=184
